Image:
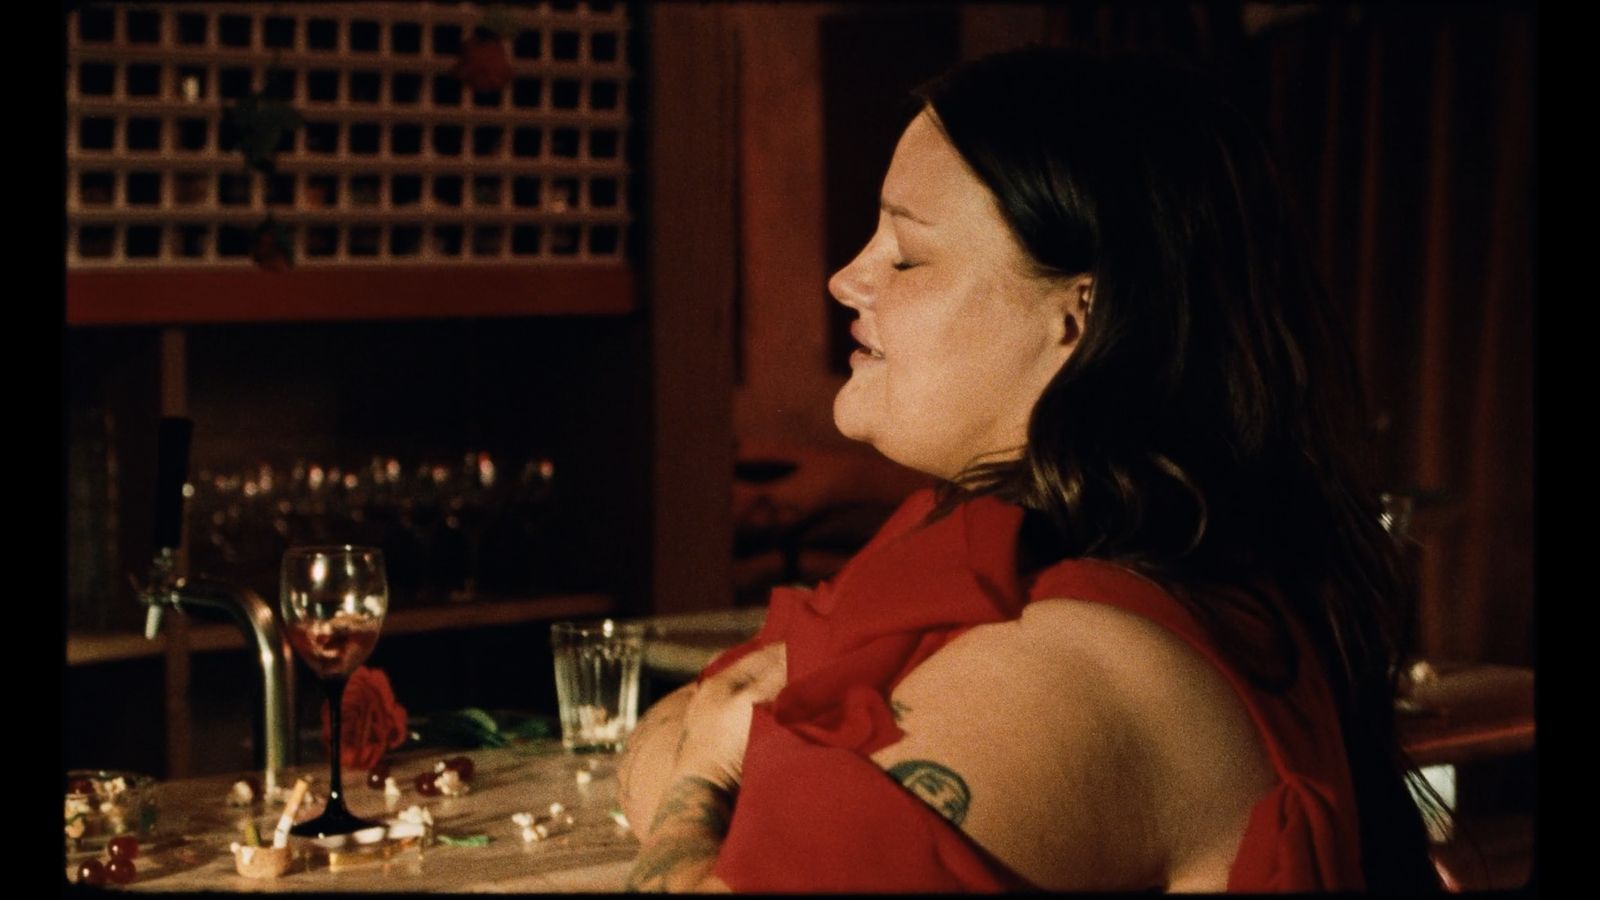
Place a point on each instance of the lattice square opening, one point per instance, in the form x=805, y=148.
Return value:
x=279, y=32
x=194, y=28
x=235, y=31
x=97, y=188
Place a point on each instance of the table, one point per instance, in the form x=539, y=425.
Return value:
x=190, y=851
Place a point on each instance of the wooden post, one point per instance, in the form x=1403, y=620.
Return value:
x=175, y=627
x=692, y=232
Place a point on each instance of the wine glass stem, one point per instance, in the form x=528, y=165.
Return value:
x=335, y=689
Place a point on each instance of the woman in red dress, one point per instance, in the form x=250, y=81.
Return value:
x=1145, y=634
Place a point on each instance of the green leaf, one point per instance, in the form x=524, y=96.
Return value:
x=466, y=840
x=261, y=123
x=531, y=728
x=480, y=719
x=469, y=728
x=473, y=728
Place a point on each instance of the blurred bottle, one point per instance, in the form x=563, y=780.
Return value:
x=440, y=522
x=512, y=547
x=389, y=515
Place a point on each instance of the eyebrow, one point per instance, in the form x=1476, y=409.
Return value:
x=900, y=212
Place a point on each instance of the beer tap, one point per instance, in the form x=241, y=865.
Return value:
x=166, y=588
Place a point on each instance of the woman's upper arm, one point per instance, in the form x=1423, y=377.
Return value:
x=1084, y=746
x=1018, y=738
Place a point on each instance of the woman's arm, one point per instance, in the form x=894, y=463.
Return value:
x=686, y=833
x=1085, y=747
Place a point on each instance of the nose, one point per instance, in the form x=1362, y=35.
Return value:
x=851, y=285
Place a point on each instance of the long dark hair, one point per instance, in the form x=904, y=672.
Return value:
x=1206, y=429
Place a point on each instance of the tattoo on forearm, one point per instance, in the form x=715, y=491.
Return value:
x=899, y=710
x=684, y=839
x=938, y=787
x=697, y=802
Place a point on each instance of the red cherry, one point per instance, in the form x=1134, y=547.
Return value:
x=80, y=786
x=376, y=775
x=426, y=786
x=123, y=846
x=121, y=871
x=463, y=766
x=91, y=872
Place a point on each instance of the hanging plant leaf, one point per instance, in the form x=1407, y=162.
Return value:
x=261, y=123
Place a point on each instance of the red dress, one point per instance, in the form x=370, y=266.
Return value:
x=815, y=813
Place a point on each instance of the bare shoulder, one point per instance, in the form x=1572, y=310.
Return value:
x=1084, y=746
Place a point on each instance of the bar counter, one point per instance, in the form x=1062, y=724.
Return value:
x=195, y=827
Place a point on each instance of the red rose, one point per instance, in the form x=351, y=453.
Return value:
x=373, y=722
x=483, y=65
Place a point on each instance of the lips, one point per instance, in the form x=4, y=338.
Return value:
x=867, y=345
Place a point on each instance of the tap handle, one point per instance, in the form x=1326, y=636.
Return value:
x=172, y=470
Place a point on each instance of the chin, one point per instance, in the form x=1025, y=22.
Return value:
x=849, y=422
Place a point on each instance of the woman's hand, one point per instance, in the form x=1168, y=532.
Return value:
x=650, y=764
x=716, y=721
x=681, y=844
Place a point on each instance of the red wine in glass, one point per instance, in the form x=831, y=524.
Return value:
x=333, y=602
x=333, y=648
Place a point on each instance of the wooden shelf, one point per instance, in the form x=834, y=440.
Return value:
x=89, y=649
x=134, y=296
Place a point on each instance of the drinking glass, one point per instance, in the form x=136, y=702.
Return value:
x=597, y=682
x=334, y=600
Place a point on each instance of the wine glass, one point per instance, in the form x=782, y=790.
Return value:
x=334, y=600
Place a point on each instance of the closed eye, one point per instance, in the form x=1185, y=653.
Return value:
x=902, y=265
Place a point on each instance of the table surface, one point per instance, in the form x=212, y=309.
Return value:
x=1467, y=713
x=190, y=850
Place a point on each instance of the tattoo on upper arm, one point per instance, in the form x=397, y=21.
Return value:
x=938, y=787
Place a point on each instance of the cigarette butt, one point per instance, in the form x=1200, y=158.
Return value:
x=280, y=837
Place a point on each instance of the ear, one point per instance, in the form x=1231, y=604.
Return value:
x=1073, y=297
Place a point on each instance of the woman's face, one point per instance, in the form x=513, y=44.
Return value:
x=959, y=337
